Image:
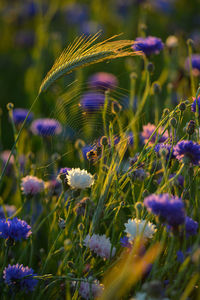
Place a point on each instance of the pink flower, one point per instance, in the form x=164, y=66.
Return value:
x=92, y=288
x=31, y=185
x=100, y=244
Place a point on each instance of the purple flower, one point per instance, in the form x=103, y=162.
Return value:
x=195, y=60
x=169, y=208
x=103, y=80
x=46, y=127
x=91, y=102
x=19, y=115
x=187, y=151
x=169, y=149
x=7, y=211
x=64, y=171
x=100, y=245
x=193, y=106
x=20, y=277
x=148, y=45
x=160, y=137
x=191, y=226
x=14, y=229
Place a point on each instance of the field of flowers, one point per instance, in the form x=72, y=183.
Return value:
x=100, y=150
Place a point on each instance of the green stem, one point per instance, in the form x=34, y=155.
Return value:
x=17, y=138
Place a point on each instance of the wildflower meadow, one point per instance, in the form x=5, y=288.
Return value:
x=100, y=150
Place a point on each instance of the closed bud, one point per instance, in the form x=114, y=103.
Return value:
x=55, y=156
x=163, y=152
x=182, y=106
x=104, y=141
x=173, y=122
x=190, y=42
x=80, y=227
x=79, y=144
x=133, y=75
x=139, y=207
x=150, y=67
x=166, y=112
x=190, y=127
x=145, y=193
x=70, y=264
x=116, y=107
x=61, y=223
x=156, y=88
x=10, y=106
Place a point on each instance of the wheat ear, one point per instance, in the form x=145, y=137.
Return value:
x=83, y=52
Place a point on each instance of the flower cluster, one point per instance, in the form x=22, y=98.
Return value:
x=31, y=185
x=191, y=226
x=79, y=179
x=46, y=127
x=188, y=152
x=92, y=287
x=20, y=277
x=136, y=227
x=148, y=130
x=14, y=229
x=149, y=45
x=169, y=208
x=100, y=244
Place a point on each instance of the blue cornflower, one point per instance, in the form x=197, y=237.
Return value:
x=20, y=277
x=168, y=148
x=193, y=106
x=46, y=127
x=148, y=45
x=125, y=242
x=19, y=115
x=195, y=60
x=87, y=149
x=169, y=208
x=14, y=229
x=191, y=226
x=103, y=80
x=64, y=171
x=187, y=151
x=91, y=102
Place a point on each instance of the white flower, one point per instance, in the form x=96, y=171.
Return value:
x=172, y=41
x=79, y=179
x=91, y=287
x=100, y=244
x=136, y=227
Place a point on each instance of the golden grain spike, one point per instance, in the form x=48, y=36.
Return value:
x=83, y=52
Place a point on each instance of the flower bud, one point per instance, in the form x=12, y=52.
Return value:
x=116, y=107
x=61, y=223
x=173, y=122
x=156, y=88
x=104, y=141
x=182, y=106
x=10, y=106
x=190, y=127
x=150, y=67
